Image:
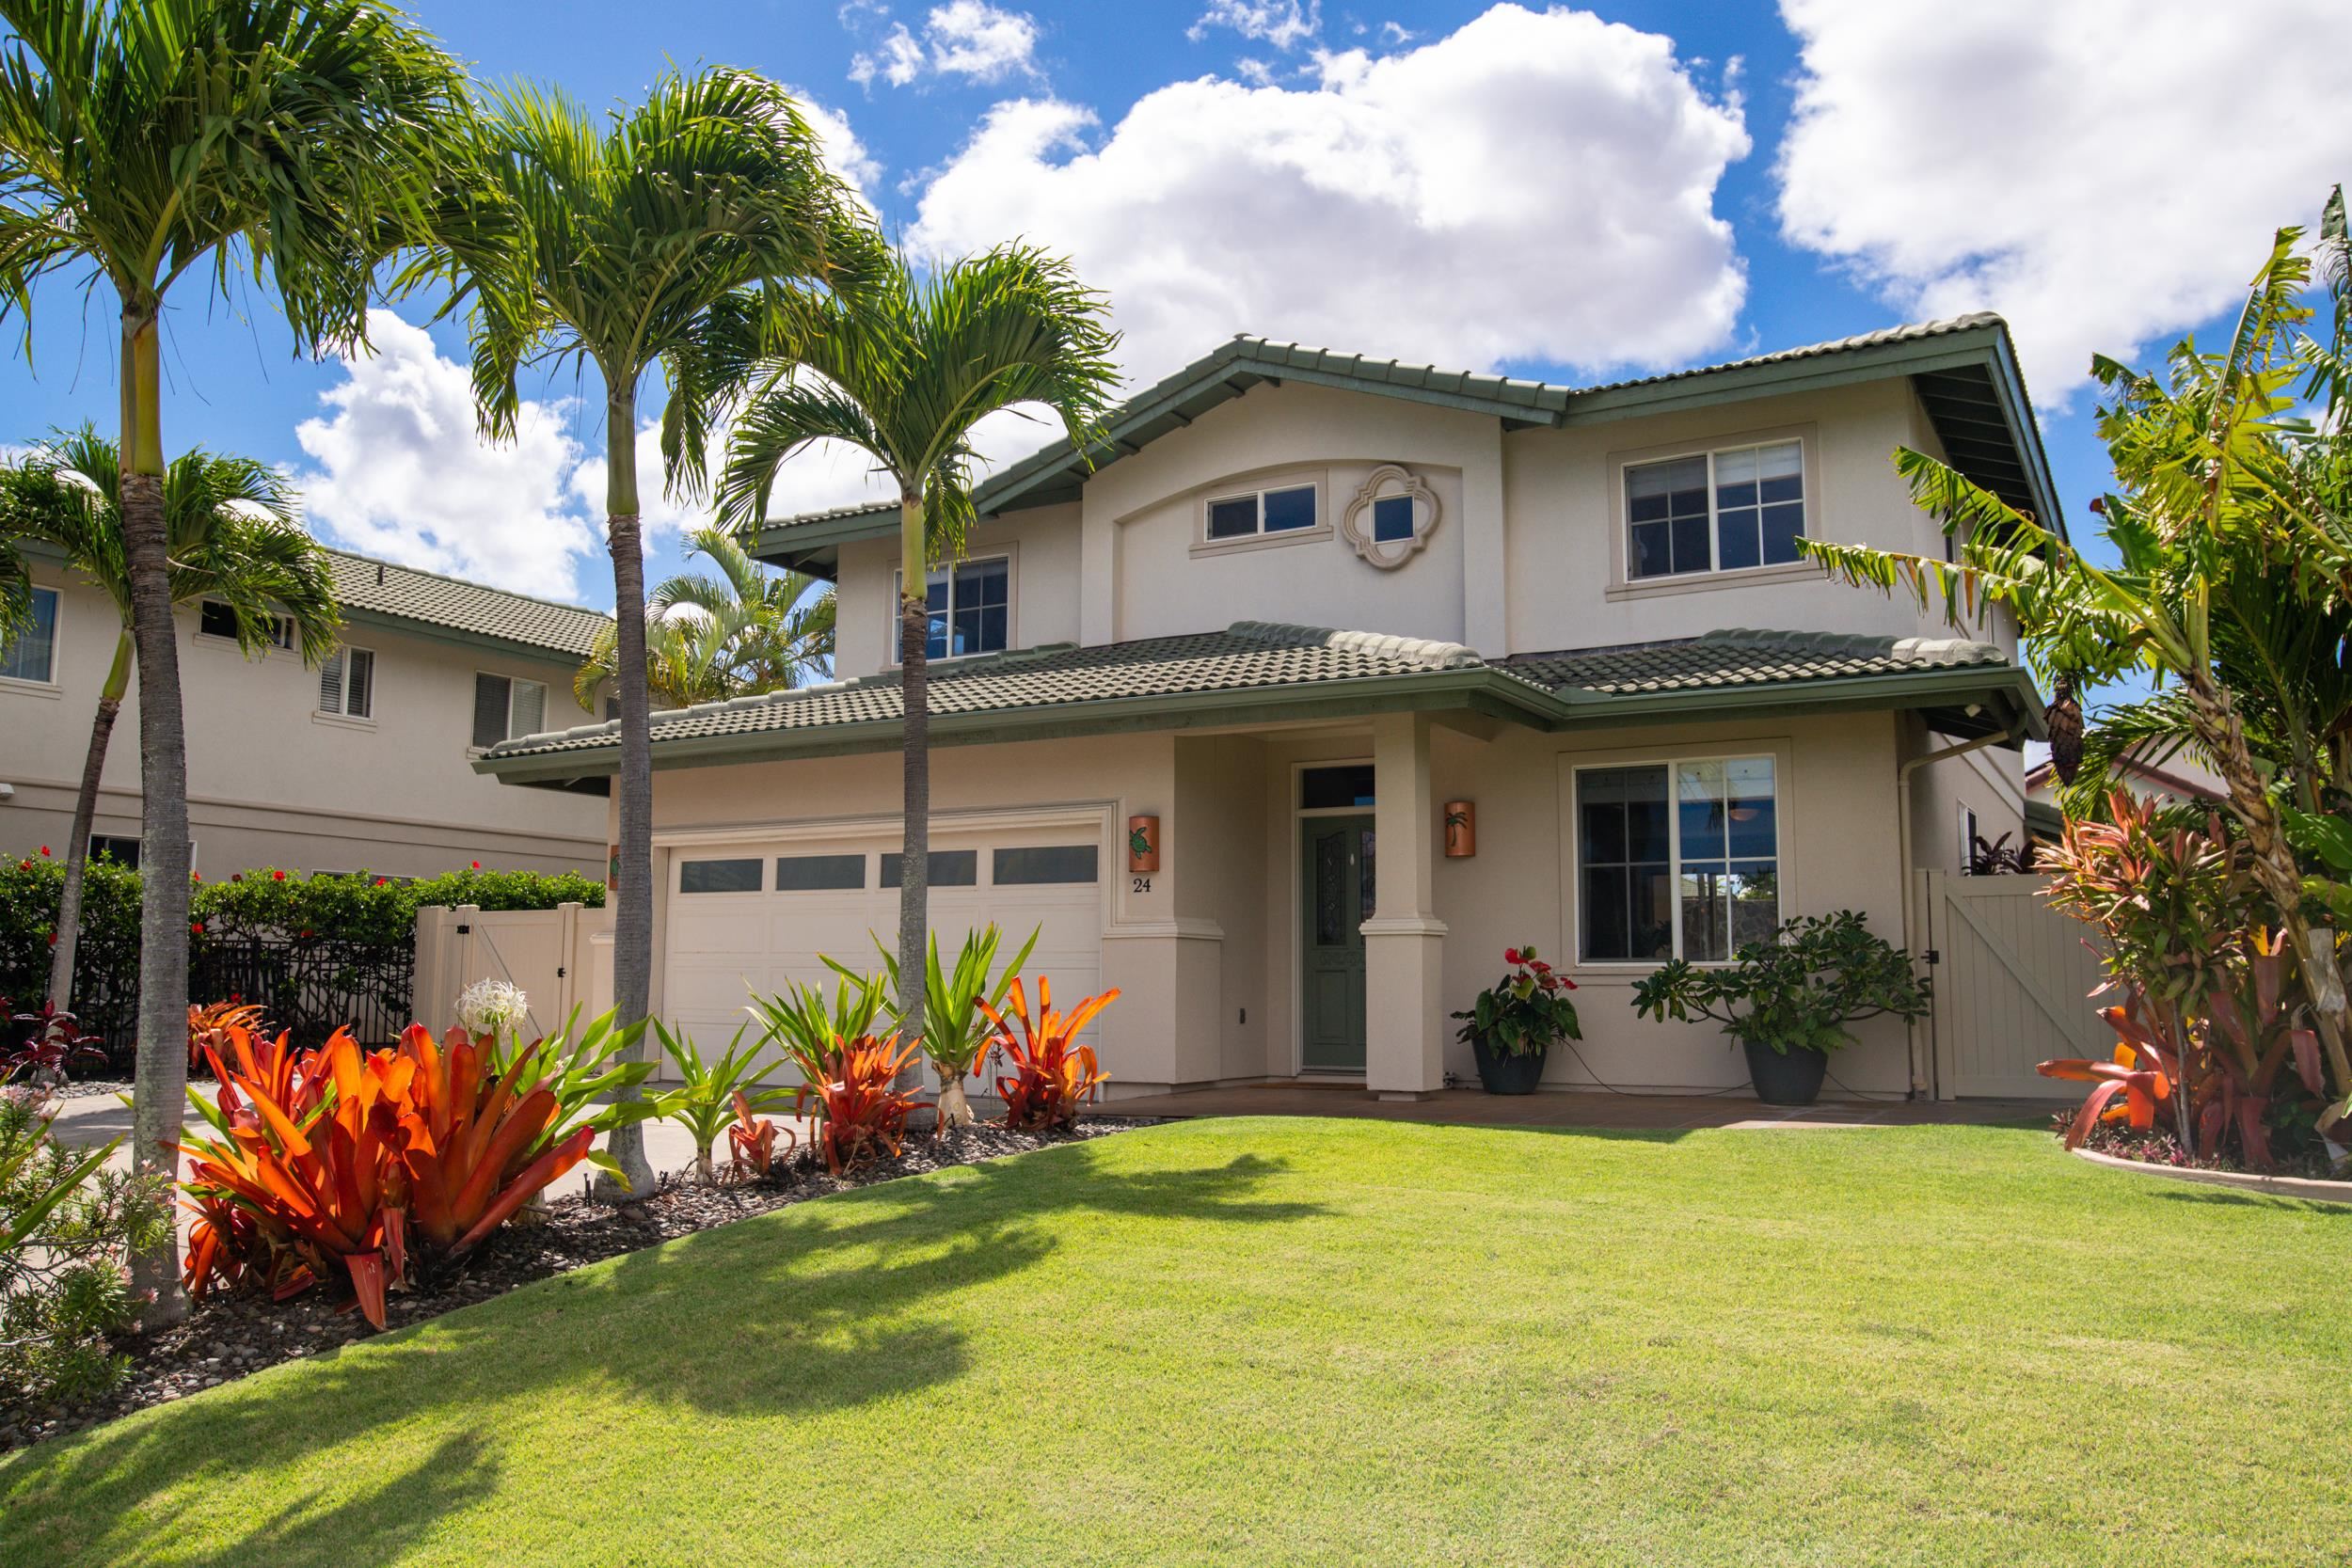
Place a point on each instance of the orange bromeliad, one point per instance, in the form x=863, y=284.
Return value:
x=1050, y=1074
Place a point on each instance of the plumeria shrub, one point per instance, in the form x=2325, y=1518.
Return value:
x=1799, y=990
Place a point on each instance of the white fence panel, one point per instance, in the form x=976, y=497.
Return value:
x=2013, y=979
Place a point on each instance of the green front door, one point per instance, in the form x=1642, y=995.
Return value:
x=1335, y=894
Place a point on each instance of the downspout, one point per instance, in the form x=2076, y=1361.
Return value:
x=1922, y=1052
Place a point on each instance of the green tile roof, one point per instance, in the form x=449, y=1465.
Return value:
x=1964, y=368
x=383, y=590
x=1254, y=669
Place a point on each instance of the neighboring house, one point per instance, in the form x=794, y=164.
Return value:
x=361, y=764
x=1305, y=601
x=2147, y=769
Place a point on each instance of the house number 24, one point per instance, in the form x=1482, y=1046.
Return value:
x=1140, y=884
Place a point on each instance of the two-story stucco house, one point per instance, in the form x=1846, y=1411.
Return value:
x=1300, y=605
x=361, y=763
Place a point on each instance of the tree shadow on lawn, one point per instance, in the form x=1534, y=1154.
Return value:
x=812, y=1308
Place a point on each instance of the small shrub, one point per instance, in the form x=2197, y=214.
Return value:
x=1819, y=974
x=53, y=1047
x=1051, y=1074
x=1525, y=1012
x=708, y=1090
x=67, y=1226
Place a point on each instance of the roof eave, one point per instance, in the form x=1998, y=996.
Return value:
x=2004, y=694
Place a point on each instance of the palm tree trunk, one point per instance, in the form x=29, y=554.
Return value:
x=632, y=915
x=162, y=1072
x=914, y=859
x=85, y=815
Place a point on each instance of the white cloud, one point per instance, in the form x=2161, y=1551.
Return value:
x=1535, y=185
x=970, y=38
x=1284, y=23
x=399, y=473
x=2100, y=172
x=843, y=154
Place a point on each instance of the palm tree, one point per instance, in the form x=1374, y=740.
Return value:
x=234, y=537
x=746, y=631
x=902, y=369
x=609, y=246
x=142, y=141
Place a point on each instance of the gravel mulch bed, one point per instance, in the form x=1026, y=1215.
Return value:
x=227, y=1336
x=84, y=1088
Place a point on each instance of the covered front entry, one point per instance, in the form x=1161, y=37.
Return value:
x=755, y=915
x=1336, y=897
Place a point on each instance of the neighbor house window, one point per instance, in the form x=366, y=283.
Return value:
x=1715, y=511
x=1048, y=862
x=215, y=619
x=1676, y=860
x=121, y=849
x=970, y=605
x=1968, y=842
x=504, y=707
x=33, y=657
x=1280, y=511
x=347, y=684
x=727, y=875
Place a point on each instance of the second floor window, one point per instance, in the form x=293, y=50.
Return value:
x=504, y=707
x=215, y=619
x=1283, y=511
x=347, y=684
x=970, y=609
x=33, y=657
x=1715, y=511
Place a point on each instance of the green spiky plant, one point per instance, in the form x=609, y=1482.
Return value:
x=902, y=369
x=156, y=148
x=233, y=533
x=2233, y=526
x=955, y=1032
x=607, y=244
x=709, y=1090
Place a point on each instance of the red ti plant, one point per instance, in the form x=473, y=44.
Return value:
x=860, y=1108
x=753, y=1139
x=1052, y=1073
x=57, y=1043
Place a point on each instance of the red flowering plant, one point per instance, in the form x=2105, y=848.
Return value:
x=1526, y=1012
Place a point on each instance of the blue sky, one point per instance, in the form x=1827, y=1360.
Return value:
x=1573, y=194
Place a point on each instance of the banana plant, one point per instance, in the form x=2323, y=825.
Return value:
x=956, y=1034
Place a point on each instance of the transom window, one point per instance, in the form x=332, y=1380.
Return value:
x=1041, y=864
x=347, y=684
x=217, y=619
x=1676, y=860
x=970, y=609
x=1285, y=510
x=1715, y=511
x=722, y=875
x=33, y=657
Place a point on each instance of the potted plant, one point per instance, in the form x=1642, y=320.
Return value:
x=1788, y=1001
x=1512, y=1024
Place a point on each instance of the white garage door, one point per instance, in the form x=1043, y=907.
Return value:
x=752, y=917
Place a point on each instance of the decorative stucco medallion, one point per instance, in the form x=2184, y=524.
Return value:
x=1391, y=517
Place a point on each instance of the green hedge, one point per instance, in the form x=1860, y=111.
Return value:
x=362, y=908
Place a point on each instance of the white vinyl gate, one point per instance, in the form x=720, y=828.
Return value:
x=2013, y=979
x=561, y=959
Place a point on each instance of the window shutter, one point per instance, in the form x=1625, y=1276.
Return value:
x=331, y=683
x=531, y=709
x=489, y=709
x=359, y=699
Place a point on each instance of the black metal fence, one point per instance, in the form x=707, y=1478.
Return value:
x=311, y=985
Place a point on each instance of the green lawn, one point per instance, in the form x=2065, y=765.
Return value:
x=1289, y=1341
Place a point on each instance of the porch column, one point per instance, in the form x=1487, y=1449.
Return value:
x=1404, y=941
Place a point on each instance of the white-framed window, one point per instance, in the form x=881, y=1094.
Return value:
x=1720, y=511
x=1249, y=513
x=1676, y=860
x=123, y=849
x=971, y=607
x=505, y=706
x=217, y=619
x=32, y=658
x=1969, y=835
x=347, y=684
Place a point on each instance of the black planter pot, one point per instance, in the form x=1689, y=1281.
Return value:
x=1792, y=1077
x=1503, y=1073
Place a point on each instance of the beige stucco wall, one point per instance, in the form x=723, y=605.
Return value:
x=1208, y=956
x=273, y=782
x=1043, y=546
